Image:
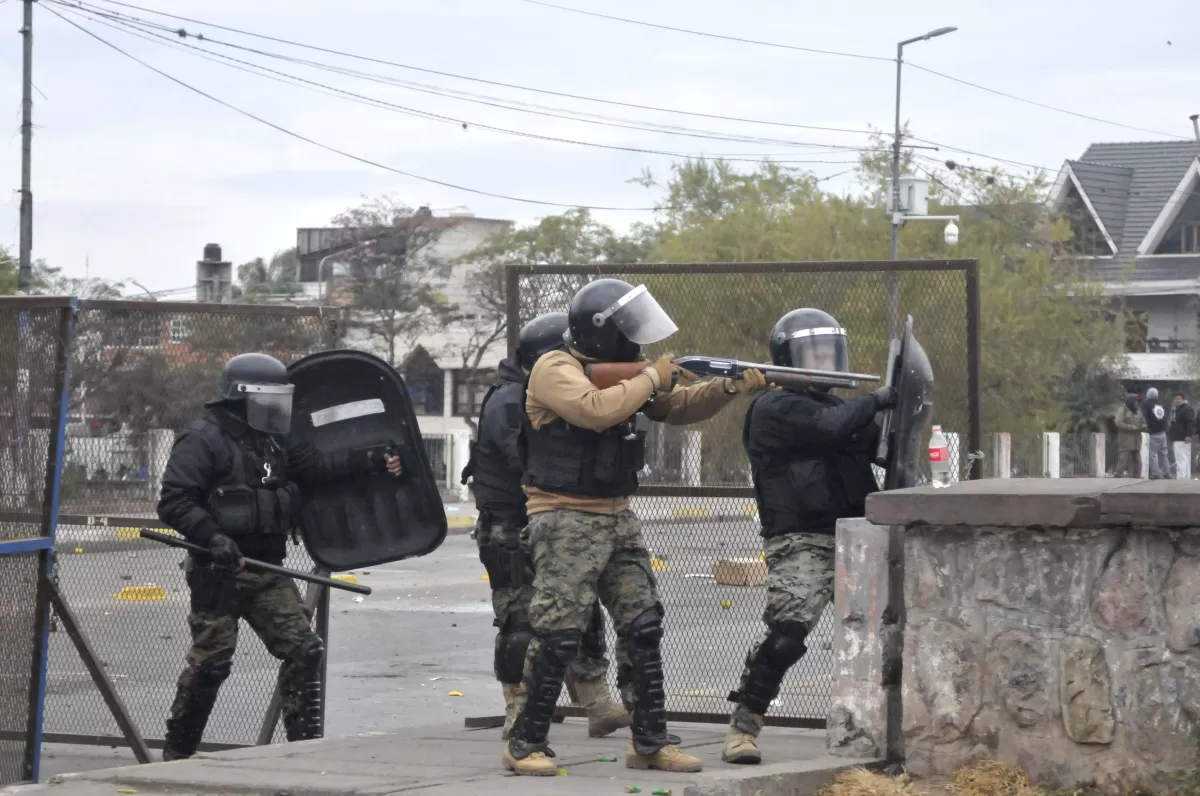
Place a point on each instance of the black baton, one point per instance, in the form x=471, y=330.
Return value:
x=261, y=566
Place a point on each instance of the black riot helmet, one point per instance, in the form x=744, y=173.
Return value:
x=540, y=336
x=259, y=384
x=809, y=338
x=611, y=320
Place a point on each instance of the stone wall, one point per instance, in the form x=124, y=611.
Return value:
x=1051, y=624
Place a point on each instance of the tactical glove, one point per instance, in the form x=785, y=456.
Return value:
x=665, y=371
x=225, y=552
x=886, y=397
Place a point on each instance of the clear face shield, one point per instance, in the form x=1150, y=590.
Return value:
x=268, y=407
x=820, y=349
x=639, y=317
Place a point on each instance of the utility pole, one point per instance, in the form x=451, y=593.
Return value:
x=25, y=269
x=897, y=218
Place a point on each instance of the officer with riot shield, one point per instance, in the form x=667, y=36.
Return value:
x=495, y=467
x=233, y=484
x=810, y=455
x=583, y=451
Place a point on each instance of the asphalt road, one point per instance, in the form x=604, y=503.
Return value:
x=396, y=655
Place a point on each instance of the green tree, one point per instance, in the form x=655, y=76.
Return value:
x=259, y=278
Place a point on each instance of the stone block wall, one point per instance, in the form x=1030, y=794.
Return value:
x=1055, y=625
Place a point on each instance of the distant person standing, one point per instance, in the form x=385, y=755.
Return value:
x=1156, y=424
x=1183, y=426
x=1130, y=426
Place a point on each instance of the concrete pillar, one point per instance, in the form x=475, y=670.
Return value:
x=1145, y=456
x=456, y=459
x=954, y=442
x=1051, y=458
x=159, y=450
x=1098, y=456
x=1002, y=454
x=868, y=639
x=692, y=441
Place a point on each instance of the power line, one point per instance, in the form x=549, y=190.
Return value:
x=469, y=78
x=850, y=55
x=326, y=147
x=999, y=93
x=289, y=79
x=707, y=34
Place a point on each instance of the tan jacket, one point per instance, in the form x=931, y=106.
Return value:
x=558, y=388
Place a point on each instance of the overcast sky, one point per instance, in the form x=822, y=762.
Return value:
x=134, y=174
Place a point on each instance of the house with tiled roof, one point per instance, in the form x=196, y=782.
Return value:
x=1135, y=211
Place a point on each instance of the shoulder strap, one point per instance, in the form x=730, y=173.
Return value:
x=209, y=428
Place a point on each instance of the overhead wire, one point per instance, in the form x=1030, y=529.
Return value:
x=289, y=79
x=367, y=161
x=469, y=78
x=943, y=75
x=599, y=120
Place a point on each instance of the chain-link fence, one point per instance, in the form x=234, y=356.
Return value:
x=34, y=338
x=140, y=372
x=696, y=503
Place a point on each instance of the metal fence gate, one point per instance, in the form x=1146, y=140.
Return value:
x=106, y=385
x=697, y=507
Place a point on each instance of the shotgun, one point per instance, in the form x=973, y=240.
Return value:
x=261, y=566
x=608, y=374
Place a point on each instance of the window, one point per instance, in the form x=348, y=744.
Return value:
x=179, y=331
x=1190, y=238
x=132, y=330
x=468, y=398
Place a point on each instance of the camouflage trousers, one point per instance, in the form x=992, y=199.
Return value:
x=271, y=605
x=510, y=605
x=799, y=587
x=578, y=557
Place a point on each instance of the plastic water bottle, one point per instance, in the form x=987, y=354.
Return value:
x=939, y=458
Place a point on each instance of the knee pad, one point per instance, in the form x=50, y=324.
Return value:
x=784, y=645
x=215, y=669
x=646, y=631
x=562, y=646
x=510, y=655
x=310, y=652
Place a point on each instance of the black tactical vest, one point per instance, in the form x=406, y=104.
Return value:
x=246, y=500
x=562, y=458
x=497, y=487
x=780, y=488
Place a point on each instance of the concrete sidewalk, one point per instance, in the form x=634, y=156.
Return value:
x=446, y=759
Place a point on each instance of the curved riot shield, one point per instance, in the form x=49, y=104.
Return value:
x=346, y=400
x=900, y=451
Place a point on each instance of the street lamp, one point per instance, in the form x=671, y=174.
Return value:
x=897, y=220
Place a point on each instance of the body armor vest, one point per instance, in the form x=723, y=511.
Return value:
x=497, y=487
x=792, y=493
x=562, y=458
x=253, y=495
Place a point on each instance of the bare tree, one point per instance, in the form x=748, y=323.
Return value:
x=392, y=275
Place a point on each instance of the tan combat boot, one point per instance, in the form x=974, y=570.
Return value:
x=740, y=747
x=669, y=758
x=512, y=706
x=605, y=715
x=535, y=765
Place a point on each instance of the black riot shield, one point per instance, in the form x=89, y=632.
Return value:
x=346, y=400
x=903, y=427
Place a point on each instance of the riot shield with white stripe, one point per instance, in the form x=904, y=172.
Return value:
x=900, y=450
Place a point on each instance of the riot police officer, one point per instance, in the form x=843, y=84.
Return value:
x=810, y=454
x=495, y=466
x=583, y=451
x=233, y=484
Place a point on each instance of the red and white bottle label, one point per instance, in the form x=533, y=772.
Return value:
x=939, y=454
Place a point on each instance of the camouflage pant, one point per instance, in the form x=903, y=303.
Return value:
x=799, y=587
x=271, y=605
x=578, y=557
x=511, y=608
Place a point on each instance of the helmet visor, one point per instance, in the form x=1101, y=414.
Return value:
x=268, y=407
x=639, y=317
x=819, y=349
